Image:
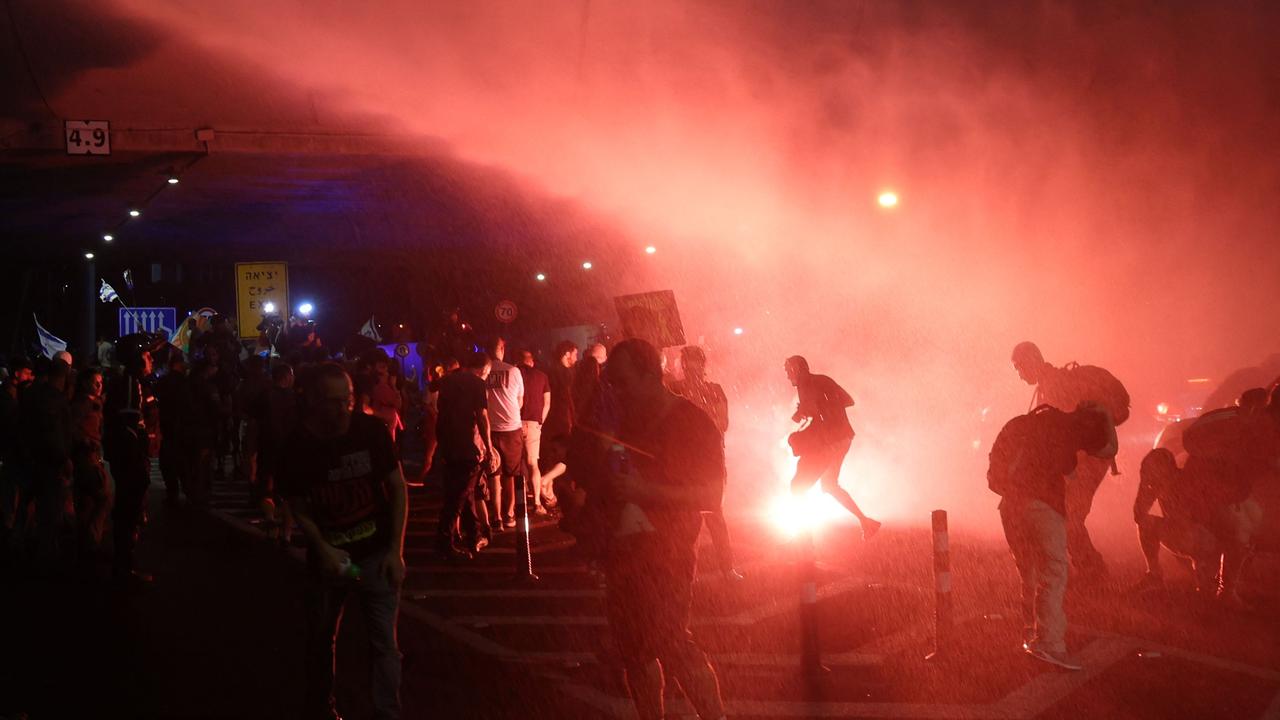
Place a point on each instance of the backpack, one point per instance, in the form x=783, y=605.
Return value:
x=1218, y=433
x=1102, y=387
x=1009, y=449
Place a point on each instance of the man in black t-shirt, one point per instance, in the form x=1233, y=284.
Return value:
x=559, y=423
x=339, y=472
x=463, y=448
x=821, y=407
x=533, y=413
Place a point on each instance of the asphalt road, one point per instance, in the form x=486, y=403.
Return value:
x=219, y=634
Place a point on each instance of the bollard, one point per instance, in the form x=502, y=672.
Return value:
x=810, y=646
x=942, y=619
x=524, y=557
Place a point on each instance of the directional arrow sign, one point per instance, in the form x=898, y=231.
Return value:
x=147, y=319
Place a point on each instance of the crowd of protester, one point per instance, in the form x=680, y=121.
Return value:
x=1212, y=477
x=318, y=441
x=626, y=455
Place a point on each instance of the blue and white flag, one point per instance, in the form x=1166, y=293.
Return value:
x=106, y=293
x=370, y=330
x=50, y=344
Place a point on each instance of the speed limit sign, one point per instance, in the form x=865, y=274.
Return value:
x=506, y=311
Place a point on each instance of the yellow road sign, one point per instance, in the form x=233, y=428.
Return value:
x=259, y=283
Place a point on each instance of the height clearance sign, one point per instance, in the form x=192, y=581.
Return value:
x=257, y=284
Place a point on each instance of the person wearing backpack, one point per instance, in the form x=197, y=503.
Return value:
x=1029, y=463
x=1065, y=388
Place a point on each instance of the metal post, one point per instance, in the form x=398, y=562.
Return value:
x=524, y=556
x=810, y=646
x=942, y=633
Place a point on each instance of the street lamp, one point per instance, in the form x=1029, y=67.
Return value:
x=305, y=309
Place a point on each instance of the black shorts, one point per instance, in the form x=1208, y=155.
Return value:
x=648, y=596
x=510, y=446
x=821, y=466
x=553, y=450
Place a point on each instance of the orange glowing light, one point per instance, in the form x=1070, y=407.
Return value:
x=794, y=514
x=1198, y=381
x=888, y=199
x=1162, y=408
x=651, y=250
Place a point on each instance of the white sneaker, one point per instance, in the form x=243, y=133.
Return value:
x=1058, y=659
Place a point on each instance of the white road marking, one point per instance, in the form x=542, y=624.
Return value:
x=1048, y=688
x=491, y=550
x=540, y=620
x=492, y=570
x=508, y=593
x=1273, y=711
x=791, y=709
x=1201, y=658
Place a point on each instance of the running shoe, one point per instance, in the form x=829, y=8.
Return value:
x=1059, y=659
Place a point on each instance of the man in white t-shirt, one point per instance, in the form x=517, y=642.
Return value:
x=506, y=396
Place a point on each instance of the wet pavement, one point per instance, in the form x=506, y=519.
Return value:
x=219, y=634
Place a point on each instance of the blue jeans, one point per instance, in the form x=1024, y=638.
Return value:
x=379, y=603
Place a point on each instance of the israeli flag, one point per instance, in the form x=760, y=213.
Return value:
x=370, y=330
x=50, y=344
x=106, y=293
